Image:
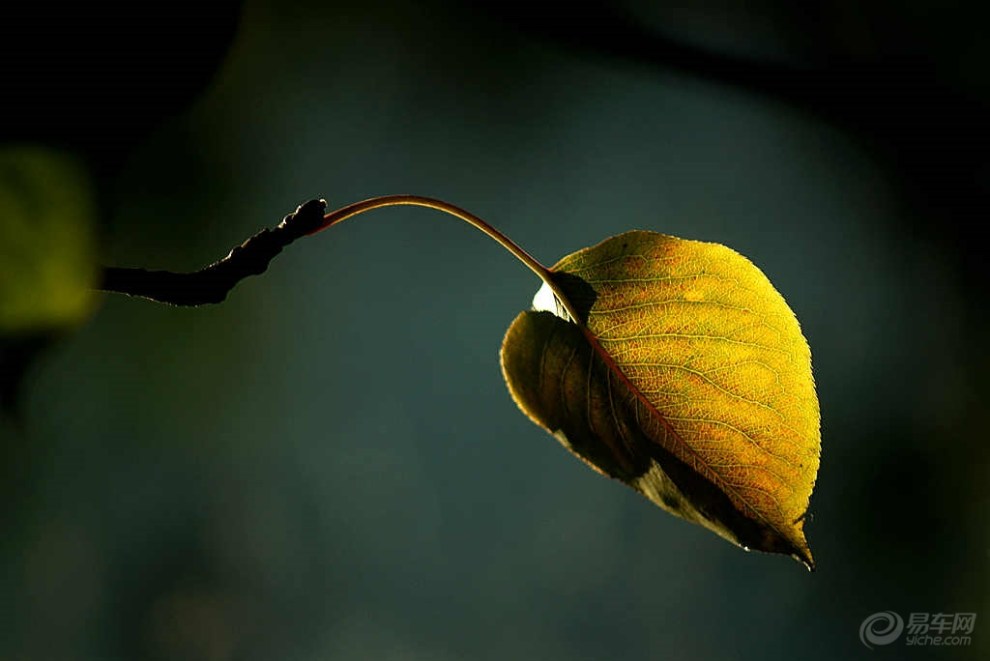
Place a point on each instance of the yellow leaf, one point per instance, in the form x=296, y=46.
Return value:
x=687, y=378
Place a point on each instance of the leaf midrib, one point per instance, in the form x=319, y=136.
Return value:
x=708, y=472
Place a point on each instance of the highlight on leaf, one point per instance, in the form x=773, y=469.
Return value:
x=687, y=378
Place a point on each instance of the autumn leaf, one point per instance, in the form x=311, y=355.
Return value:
x=671, y=365
x=686, y=377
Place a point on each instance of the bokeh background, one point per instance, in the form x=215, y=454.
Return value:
x=329, y=466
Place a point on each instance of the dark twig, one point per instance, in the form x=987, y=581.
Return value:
x=211, y=284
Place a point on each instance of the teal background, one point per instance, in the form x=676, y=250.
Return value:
x=329, y=466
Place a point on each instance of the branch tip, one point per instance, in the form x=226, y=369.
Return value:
x=211, y=284
x=306, y=219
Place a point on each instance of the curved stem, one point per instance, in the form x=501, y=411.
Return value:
x=212, y=283
x=357, y=208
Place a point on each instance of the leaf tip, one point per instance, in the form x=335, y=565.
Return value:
x=803, y=555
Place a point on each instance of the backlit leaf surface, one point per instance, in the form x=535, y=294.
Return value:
x=688, y=379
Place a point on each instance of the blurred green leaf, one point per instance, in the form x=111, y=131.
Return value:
x=47, y=249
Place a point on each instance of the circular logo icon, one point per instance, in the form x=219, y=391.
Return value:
x=881, y=628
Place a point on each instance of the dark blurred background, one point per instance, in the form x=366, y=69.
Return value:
x=328, y=465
